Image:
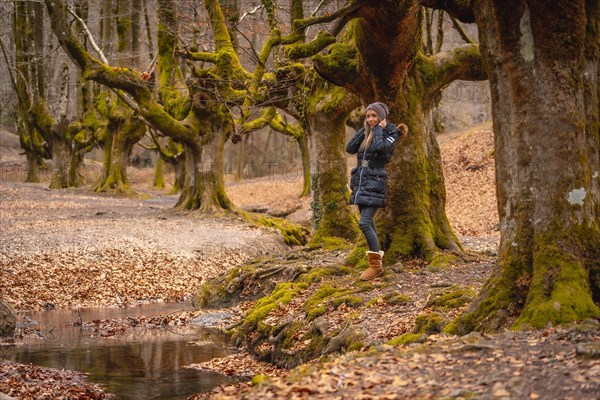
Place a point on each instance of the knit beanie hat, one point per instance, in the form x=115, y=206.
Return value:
x=381, y=109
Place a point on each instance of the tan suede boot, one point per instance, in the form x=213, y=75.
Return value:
x=375, y=269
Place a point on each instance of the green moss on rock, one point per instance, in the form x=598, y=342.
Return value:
x=396, y=298
x=451, y=298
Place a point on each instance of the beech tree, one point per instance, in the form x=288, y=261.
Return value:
x=322, y=109
x=122, y=128
x=542, y=62
x=382, y=59
x=63, y=133
x=196, y=115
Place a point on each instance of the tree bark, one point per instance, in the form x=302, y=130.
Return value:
x=61, y=157
x=393, y=69
x=121, y=135
x=543, y=67
x=123, y=129
x=305, y=157
x=27, y=80
x=326, y=116
x=204, y=185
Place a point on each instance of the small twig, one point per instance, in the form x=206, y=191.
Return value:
x=89, y=35
x=247, y=13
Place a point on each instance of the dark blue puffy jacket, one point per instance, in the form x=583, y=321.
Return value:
x=368, y=180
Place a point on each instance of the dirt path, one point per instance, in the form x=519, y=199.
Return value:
x=73, y=248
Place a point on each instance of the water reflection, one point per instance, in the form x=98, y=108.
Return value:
x=145, y=364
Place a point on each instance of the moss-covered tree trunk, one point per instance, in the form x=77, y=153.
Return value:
x=61, y=158
x=543, y=68
x=393, y=69
x=204, y=185
x=33, y=167
x=179, y=170
x=305, y=157
x=326, y=115
x=414, y=223
x=124, y=129
x=27, y=83
x=122, y=134
x=159, y=175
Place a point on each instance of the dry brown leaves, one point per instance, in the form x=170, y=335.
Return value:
x=73, y=249
x=469, y=172
x=239, y=364
x=28, y=382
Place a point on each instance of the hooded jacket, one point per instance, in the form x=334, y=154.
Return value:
x=368, y=180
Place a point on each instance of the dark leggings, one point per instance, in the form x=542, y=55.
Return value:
x=367, y=226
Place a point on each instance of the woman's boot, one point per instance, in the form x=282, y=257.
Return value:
x=375, y=269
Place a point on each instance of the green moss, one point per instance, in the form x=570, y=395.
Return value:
x=425, y=324
x=372, y=302
x=347, y=299
x=356, y=346
x=260, y=379
x=317, y=274
x=559, y=292
x=430, y=323
x=358, y=258
x=366, y=286
x=303, y=50
x=295, y=235
x=326, y=98
x=282, y=294
x=451, y=298
x=325, y=296
x=396, y=298
x=407, y=338
x=316, y=311
x=340, y=64
x=443, y=259
x=223, y=291
x=290, y=338
x=330, y=243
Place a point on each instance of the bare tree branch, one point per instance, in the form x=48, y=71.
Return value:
x=251, y=12
x=461, y=31
x=89, y=35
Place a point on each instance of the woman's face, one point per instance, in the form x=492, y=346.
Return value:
x=372, y=118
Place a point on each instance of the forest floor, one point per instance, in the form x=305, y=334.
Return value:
x=73, y=248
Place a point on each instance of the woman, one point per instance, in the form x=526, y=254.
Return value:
x=373, y=146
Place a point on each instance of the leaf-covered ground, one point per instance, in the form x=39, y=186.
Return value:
x=30, y=382
x=72, y=248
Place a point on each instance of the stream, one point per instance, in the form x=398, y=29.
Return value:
x=145, y=363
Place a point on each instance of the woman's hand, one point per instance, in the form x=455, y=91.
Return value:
x=383, y=123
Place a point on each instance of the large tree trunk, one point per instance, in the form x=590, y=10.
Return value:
x=33, y=167
x=332, y=214
x=61, y=157
x=305, y=157
x=543, y=73
x=415, y=223
x=394, y=71
x=123, y=130
x=120, y=138
x=204, y=186
x=27, y=80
